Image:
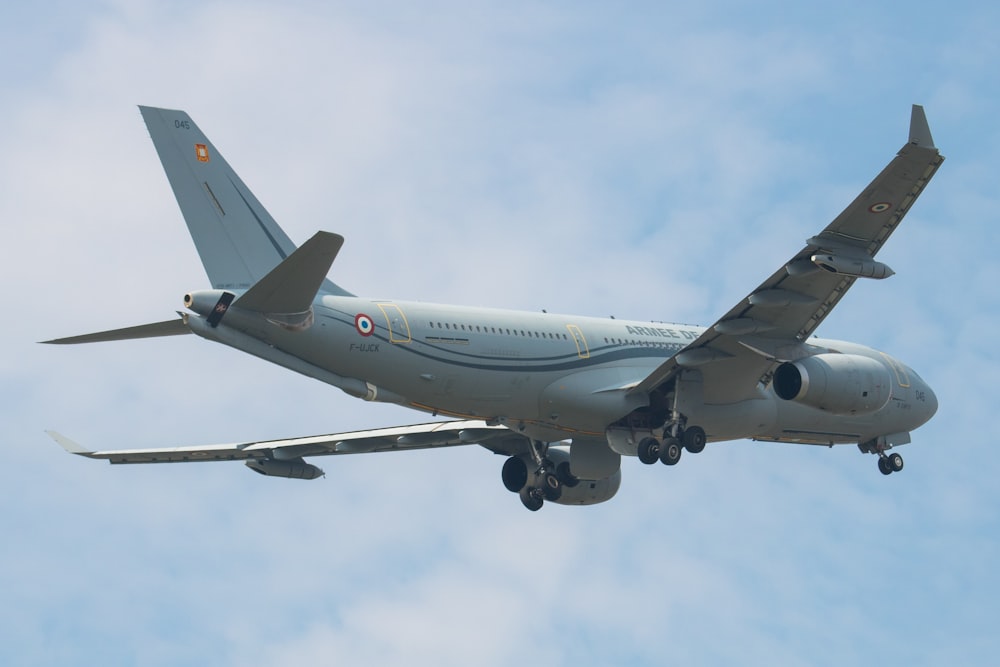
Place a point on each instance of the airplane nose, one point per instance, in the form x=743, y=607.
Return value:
x=928, y=400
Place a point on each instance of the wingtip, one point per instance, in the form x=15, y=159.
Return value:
x=69, y=445
x=920, y=131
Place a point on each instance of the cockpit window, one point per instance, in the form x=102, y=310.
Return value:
x=901, y=375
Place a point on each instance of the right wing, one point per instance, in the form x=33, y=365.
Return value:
x=498, y=439
x=774, y=321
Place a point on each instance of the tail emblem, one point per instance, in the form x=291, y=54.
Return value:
x=201, y=152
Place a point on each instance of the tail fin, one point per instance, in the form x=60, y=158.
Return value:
x=237, y=239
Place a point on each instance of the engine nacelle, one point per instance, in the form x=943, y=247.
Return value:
x=294, y=468
x=520, y=471
x=844, y=384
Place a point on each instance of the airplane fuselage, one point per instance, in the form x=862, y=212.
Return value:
x=549, y=376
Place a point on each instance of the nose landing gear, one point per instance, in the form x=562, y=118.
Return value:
x=888, y=464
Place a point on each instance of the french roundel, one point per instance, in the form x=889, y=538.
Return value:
x=364, y=324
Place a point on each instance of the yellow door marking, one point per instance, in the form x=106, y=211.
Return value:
x=582, y=350
x=399, y=328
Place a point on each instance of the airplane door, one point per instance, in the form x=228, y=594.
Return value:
x=582, y=350
x=399, y=328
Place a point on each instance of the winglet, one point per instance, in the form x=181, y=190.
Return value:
x=920, y=132
x=69, y=445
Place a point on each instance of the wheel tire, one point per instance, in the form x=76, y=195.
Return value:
x=670, y=454
x=649, y=450
x=514, y=474
x=531, y=499
x=566, y=478
x=694, y=439
x=883, y=466
x=551, y=487
x=895, y=462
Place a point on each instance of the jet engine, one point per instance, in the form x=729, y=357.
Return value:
x=293, y=468
x=844, y=384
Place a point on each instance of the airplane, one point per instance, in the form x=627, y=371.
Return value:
x=562, y=397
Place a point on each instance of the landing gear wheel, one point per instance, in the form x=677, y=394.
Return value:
x=566, y=478
x=694, y=439
x=649, y=450
x=883, y=465
x=551, y=486
x=670, y=454
x=894, y=462
x=531, y=498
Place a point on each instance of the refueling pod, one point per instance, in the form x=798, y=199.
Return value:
x=862, y=267
x=294, y=468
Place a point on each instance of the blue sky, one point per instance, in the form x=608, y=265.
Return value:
x=639, y=160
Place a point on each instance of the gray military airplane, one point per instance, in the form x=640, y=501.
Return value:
x=562, y=397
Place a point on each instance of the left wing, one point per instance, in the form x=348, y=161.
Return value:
x=419, y=436
x=774, y=320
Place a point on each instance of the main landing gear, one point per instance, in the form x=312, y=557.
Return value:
x=536, y=478
x=668, y=449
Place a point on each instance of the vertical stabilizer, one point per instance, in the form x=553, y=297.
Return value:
x=237, y=239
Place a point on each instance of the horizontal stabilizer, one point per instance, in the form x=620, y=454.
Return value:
x=291, y=286
x=155, y=330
